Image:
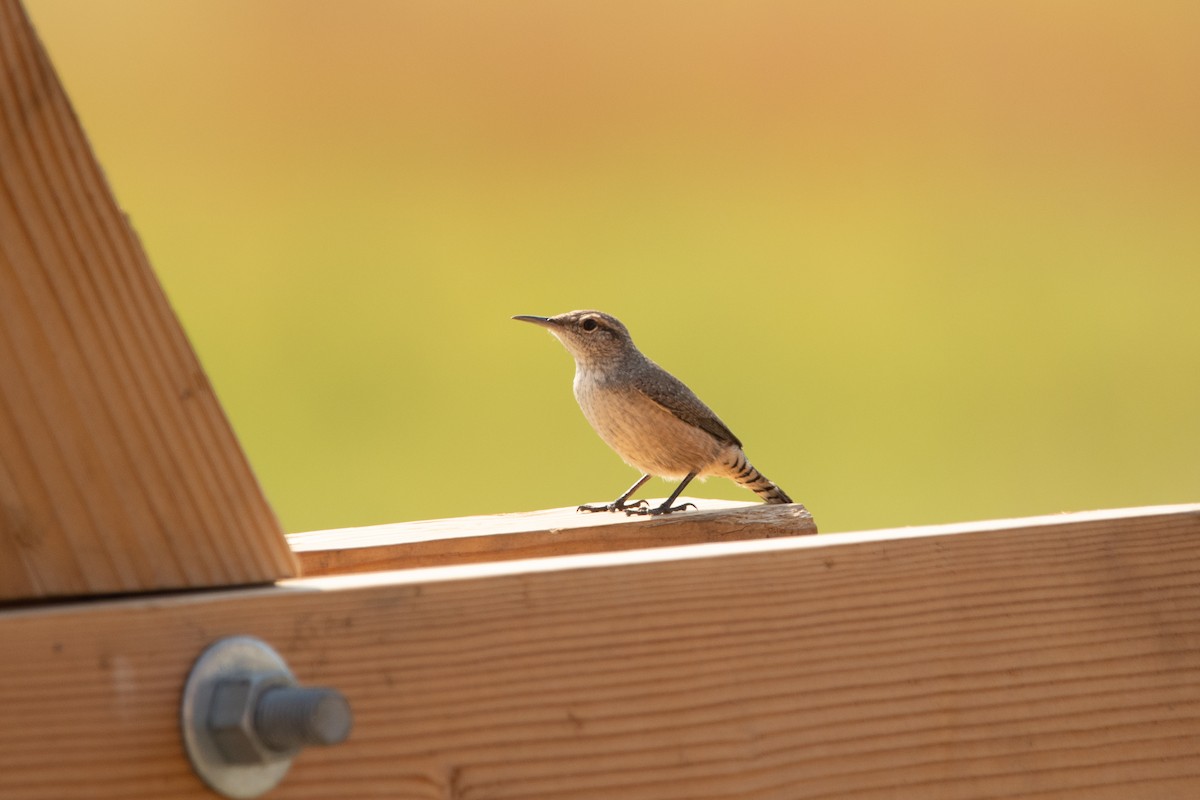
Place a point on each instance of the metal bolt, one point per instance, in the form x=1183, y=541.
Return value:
x=244, y=718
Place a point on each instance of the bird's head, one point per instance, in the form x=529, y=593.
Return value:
x=592, y=337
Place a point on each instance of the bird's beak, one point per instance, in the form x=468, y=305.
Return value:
x=545, y=322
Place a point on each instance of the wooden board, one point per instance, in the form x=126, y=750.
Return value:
x=1050, y=658
x=556, y=531
x=118, y=469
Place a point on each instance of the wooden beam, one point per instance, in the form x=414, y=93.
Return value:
x=554, y=532
x=118, y=469
x=1054, y=658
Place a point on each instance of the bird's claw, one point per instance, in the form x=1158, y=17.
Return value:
x=636, y=507
x=658, y=511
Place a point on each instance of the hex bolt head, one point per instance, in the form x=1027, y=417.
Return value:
x=231, y=718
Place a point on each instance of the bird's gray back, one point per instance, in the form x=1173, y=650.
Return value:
x=672, y=394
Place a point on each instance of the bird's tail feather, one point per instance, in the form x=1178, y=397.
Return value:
x=743, y=473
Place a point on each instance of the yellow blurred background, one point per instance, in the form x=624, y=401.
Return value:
x=931, y=261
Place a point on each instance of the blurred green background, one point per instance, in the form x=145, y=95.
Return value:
x=931, y=261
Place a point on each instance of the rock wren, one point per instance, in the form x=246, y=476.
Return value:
x=654, y=422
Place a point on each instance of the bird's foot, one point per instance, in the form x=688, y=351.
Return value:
x=636, y=507
x=658, y=511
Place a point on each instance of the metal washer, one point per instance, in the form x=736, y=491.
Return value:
x=232, y=657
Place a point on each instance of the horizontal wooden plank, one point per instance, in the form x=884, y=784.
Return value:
x=557, y=531
x=1054, y=658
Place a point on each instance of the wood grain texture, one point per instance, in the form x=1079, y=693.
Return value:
x=554, y=532
x=118, y=469
x=1054, y=658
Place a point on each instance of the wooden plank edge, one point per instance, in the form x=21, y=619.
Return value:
x=832, y=542
x=630, y=557
x=552, y=532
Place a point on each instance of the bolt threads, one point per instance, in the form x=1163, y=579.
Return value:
x=287, y=718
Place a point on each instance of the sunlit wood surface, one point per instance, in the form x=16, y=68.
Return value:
x=1054, y=657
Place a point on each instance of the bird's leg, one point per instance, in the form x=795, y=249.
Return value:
x=666, y=507
x=619, y=504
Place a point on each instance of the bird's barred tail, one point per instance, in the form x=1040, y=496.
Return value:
x=743, y=473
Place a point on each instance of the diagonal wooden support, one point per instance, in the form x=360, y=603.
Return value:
x=118, y=469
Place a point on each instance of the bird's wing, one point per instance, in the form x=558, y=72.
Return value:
x=670, y=393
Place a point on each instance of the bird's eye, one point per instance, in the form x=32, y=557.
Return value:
x=589, y=324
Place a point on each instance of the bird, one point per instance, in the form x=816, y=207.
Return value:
x=652, y=420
